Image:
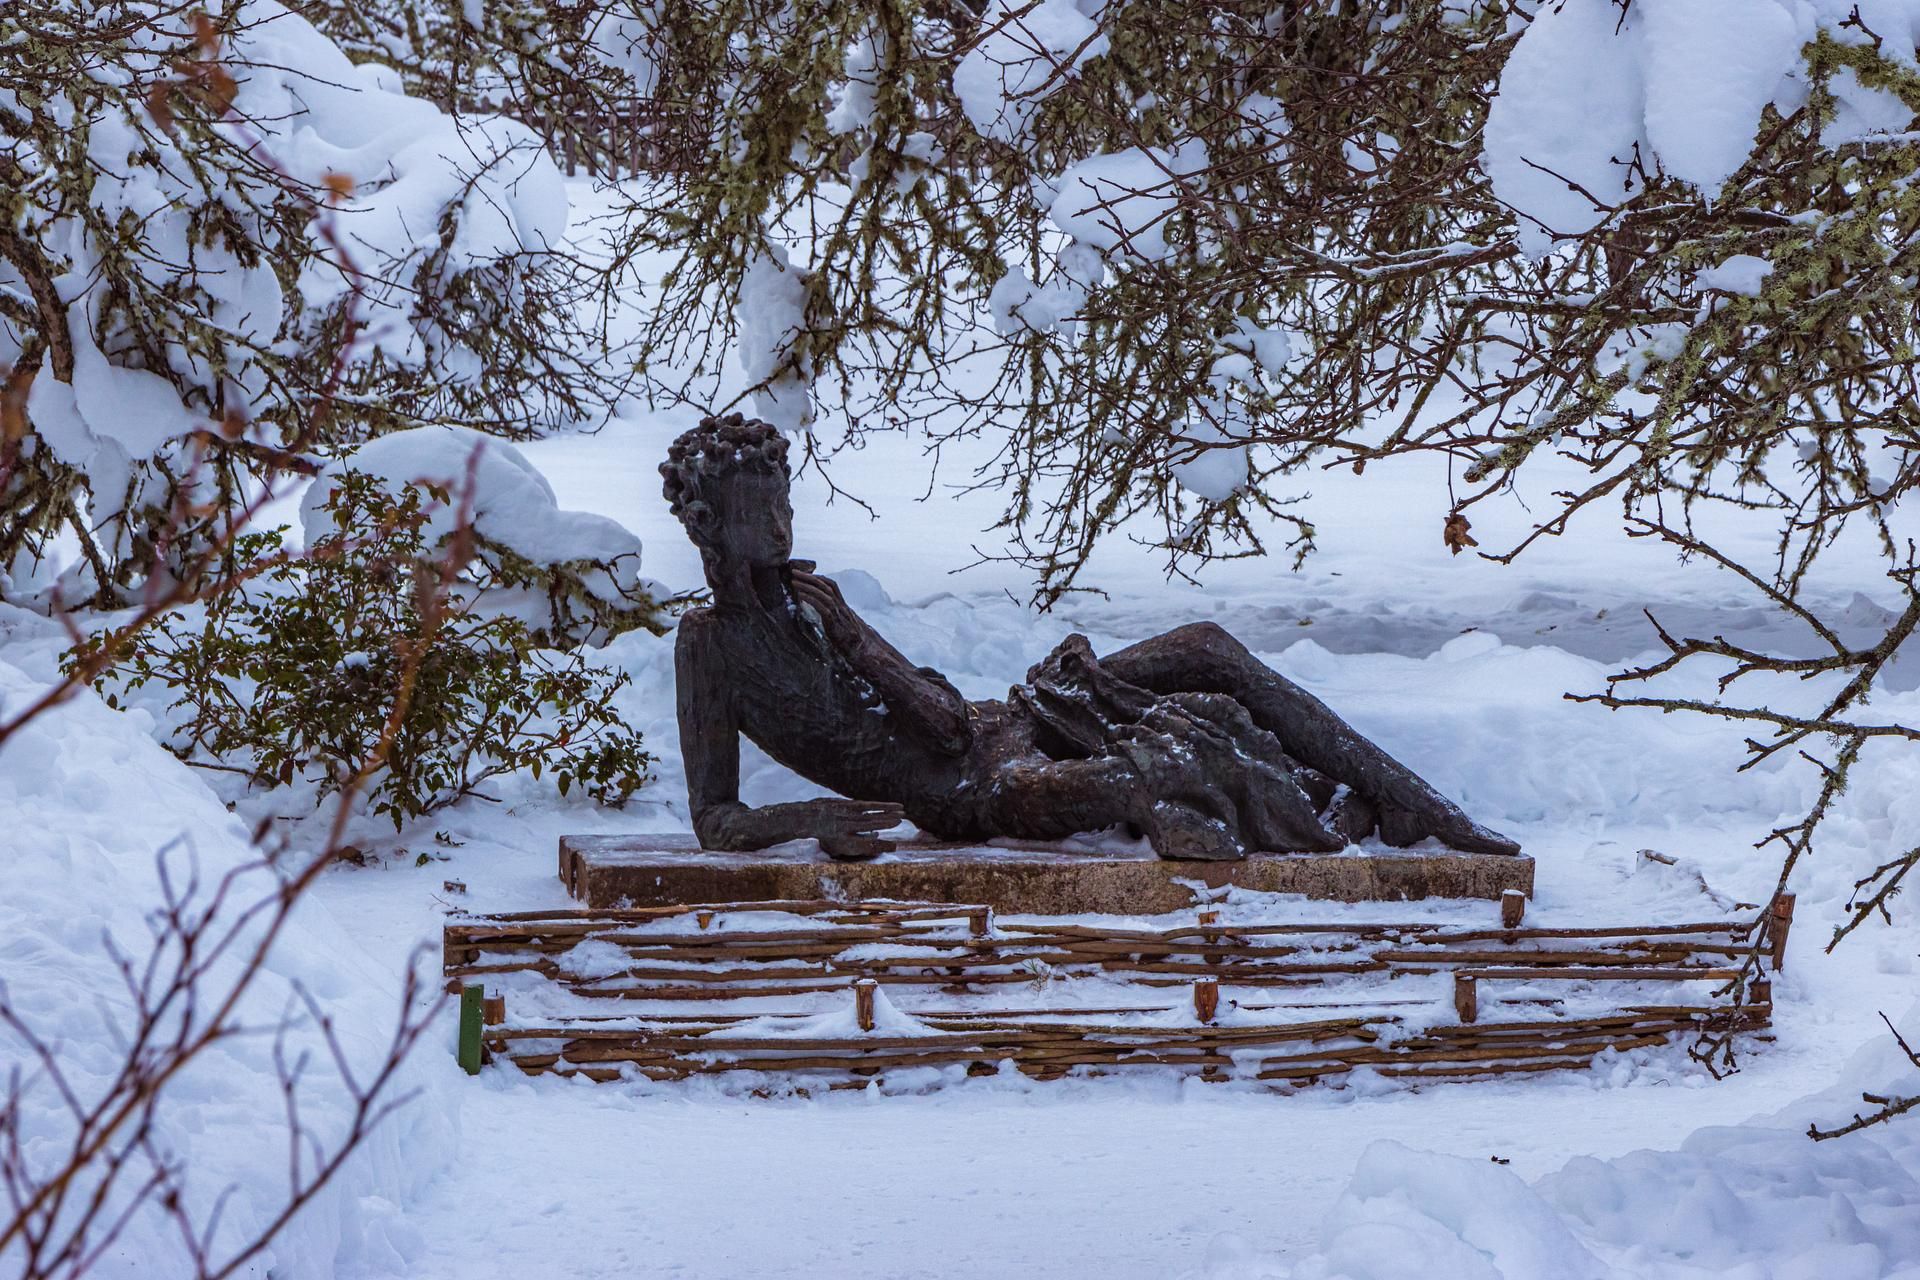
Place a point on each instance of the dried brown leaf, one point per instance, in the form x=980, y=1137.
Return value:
x=205, y=34
x=160, y=103
x=13, y=405
x=1454, y=534
x=219, y=85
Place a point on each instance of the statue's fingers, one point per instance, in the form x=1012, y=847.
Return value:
x=1408, y=819
x=1401, y=827
x=1352, y=816
x=821, y=589
x=868, y=815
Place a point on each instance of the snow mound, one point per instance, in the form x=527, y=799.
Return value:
x=1755, y=1201
x=1407, y=1215
x=93, y=808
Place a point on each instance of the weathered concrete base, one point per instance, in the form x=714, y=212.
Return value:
x=1014, y=877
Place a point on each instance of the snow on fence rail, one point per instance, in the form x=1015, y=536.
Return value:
x=810, y=988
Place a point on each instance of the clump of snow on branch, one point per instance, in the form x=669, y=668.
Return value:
x=772, y=316
x=516, y=521
x=1121, y=201
x=1221, y=465
x=1591, y=87
x=1029, y=51
x=854, y=109
x=623, y=37
x=1569, y=104
x=1016, y=303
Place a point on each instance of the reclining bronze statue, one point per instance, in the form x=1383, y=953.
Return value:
x=1186, y=738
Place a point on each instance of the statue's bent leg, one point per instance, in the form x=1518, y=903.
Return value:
x=1040, y=799
x=1202, y=657
x=1035, y=798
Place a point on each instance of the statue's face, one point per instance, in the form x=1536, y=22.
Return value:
x=754, y=520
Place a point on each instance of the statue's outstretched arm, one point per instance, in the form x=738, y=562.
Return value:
x=710, y=749
x=920, y=699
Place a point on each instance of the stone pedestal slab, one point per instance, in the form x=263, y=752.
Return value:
x=1011, y=876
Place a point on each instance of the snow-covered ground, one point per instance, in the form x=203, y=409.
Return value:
x=1455, y=664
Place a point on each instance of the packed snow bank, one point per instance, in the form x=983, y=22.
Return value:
x=1756, y=1201
x=93, y=809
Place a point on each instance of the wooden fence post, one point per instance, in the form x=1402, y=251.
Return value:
x=1206, y=999
x=863, y=989
x=1466, y=997
x=1513, y=908
x=1779, y=924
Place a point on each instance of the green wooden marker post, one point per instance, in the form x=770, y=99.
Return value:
x=472, y=999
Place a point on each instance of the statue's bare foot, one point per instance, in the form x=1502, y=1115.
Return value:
x=1415, y=814
x=1183, y=833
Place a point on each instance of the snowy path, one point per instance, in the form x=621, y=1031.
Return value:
x=1117, y=1182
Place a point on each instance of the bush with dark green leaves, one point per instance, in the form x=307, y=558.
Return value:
x=365, y=657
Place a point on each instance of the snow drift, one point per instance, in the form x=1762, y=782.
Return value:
x=93, y=809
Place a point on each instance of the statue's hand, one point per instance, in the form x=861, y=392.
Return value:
x=846, y=828
x=837, y=617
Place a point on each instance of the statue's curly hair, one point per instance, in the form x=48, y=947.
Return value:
x=718, y=447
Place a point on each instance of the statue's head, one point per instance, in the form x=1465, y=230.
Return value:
x=728, y=481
